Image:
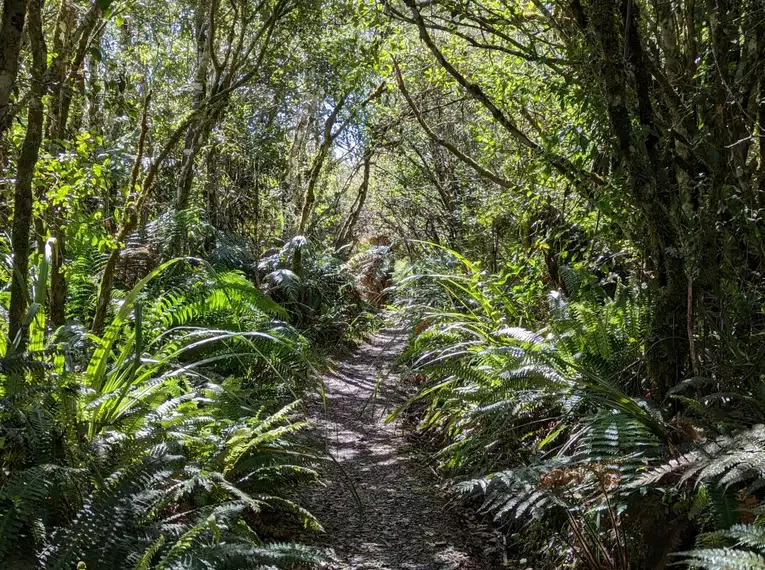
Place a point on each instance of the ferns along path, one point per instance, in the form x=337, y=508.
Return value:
x=206, y=204
x=380, y=509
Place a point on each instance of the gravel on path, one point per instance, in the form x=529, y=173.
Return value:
x=380, y=508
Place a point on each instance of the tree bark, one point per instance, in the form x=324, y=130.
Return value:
x=346, y=231
x=203, y=21
x=318, y=163
x=63, y=72
x=23, y=199
x=94, y=119
x=651, y=191
x=210, y=194
x=107, y=278
x=65, y=81
x=328, y=138
x=11, y=35
x=140, y=196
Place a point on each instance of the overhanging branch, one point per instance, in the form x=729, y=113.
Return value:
x=559, y=163
x=483, y=171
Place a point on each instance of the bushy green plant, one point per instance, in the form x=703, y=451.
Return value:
x=480, y=368
x=166, y=443
x=321, y=295
x=536, y=422
x=188, y=485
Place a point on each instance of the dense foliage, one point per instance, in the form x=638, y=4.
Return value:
x=200, y=198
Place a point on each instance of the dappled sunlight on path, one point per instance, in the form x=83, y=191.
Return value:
x=380, y=509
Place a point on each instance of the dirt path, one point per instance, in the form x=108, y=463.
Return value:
x=380, y=509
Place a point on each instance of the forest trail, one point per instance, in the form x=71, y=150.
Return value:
x=380, y=510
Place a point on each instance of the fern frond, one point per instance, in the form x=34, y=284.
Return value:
x=723, y=559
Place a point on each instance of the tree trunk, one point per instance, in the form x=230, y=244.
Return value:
x=107, y=277
x=210, y=197
x=191, y=143
x=55, y=132
x=651, y=190
x=346, y=232
x=295, y=163
x=141, y=195
x=310, y=192
x=94, y=118
x=11, y=35
x=58, y=286
x=23, y=200
x=78, y=105
x=75, y=46
x=66, y=80
x=318, y=163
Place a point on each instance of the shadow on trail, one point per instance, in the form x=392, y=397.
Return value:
x=379, y=508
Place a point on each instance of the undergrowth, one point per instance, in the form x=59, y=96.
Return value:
x=554, y=428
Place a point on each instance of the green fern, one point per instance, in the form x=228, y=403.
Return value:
x=745, y=554
x=724, y=559
x=151, y=458
x=728, y=461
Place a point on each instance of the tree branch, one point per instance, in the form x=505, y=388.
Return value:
x=486, y=173
x=560, y=163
